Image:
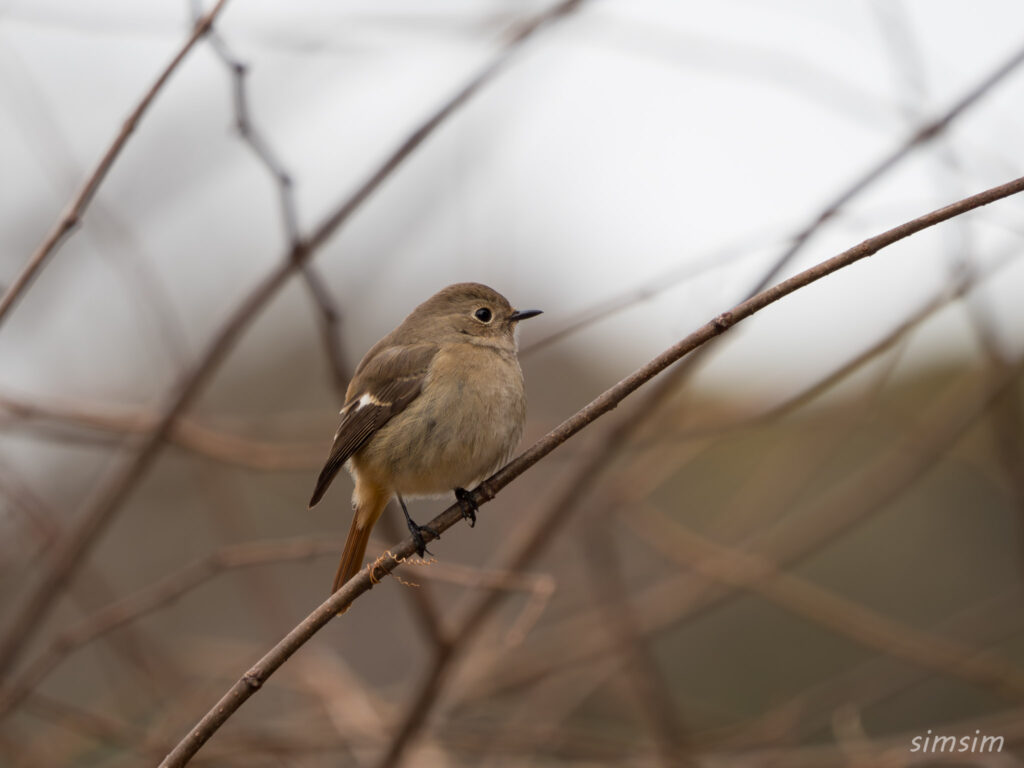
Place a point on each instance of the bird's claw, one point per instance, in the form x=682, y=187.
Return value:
x=417, y=537
x=468, y=506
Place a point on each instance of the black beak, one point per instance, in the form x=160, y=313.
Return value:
x=524, y=315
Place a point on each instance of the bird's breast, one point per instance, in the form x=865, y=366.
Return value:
x=464, y=424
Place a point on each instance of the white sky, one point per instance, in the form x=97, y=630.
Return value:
x=630, y=140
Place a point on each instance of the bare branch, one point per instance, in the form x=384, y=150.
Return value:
x=921, y=135
x=984, y=625
x=816, y=604
x=836, y=510
x=486, y=491
x=76, y=209
x=187, y=433
x=329, y=316
x=652, y=697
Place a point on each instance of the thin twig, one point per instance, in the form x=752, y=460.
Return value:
x=257, y=675
x=837, y=510
x=653, y=699
x=327, y=311
x=894, y=336
x=644, y=291
x=76, y=209
x=845, y=617
x=247, y=555
x=988, y=624
x=921, y=135
x=329, y=318
x=157, y=595
x=187, y=433
x=423, y=604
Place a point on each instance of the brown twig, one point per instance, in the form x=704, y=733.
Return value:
x=644, y=291
x=76, y=209
x=922, y=134
x=158, y=595
x=988, y=624
x=652, y=697
x=246, y=555
x=486, y=491
x=329, y=318
x=423, y=605
x=187, y=433
x=142, y=653
x=327, y=311
x=836, y=510
x=816, y=604
x=894, y=336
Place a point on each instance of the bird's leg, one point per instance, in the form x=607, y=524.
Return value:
x=417, y=530
x=469, y=507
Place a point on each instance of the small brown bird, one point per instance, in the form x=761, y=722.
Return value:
x=436, y=405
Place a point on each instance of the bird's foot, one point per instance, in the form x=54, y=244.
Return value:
x=417, y=532
x=469, y=507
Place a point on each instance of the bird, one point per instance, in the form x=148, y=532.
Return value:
x=433, y=407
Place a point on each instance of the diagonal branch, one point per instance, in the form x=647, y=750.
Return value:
x=76, y=209
x=257, y=675
x=845, y=617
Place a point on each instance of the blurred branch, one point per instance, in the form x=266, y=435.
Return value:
x=896, y=335
x=820, y=606
x=652, y=697
x=187, y=433
x=644, y=291
x=1007, y=417
x=421, y=601
x=329, y=316
x=836, y=510
x=97, y=514
x=987, y=624
x=113, y=236
x=73, y=216
x=327, y=311
x=252, y=137
x=921, y=135
x=158, y=595
x=140, y=653
x=486, y=491
x=891, y=751
x=87, y=722
x=251, y=554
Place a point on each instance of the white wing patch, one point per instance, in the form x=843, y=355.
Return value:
x=365, y=400
x=368, y=399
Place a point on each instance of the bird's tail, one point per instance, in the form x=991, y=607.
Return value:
x=363, y=519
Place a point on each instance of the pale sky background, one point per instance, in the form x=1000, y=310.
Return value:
x=632, y=140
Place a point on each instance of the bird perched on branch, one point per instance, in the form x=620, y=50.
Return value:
x=436, y=405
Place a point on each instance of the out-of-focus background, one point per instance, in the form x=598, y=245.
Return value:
x=803, y=547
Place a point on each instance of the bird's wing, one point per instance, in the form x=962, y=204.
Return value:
x=384, y=386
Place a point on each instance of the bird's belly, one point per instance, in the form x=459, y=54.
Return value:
x=451, y=437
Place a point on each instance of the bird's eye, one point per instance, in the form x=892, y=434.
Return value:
x=483, y=315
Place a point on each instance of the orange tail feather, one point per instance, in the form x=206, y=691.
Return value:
x=353, y=554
